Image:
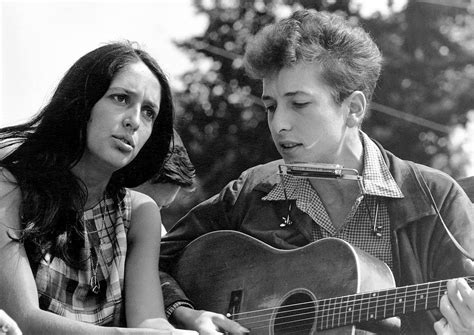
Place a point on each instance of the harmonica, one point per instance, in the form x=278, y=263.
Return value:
x=319, y=170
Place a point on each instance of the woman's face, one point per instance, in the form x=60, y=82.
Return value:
x=122, y=120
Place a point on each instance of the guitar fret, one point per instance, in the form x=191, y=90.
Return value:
x=328, y=313
x=439, y=295
x=324, y=314
x=404, y=299
x=427, y=295
x=422, y=297
x=339, y=310
x=350, y=309
x=372, y=303
x=410, y=299
x=415, y=301
x=365, y=307
x=353, y=308
x=345, y=309
x=332, y=303
x=382, y=297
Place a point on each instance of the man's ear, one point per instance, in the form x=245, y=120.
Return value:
x=356, y=104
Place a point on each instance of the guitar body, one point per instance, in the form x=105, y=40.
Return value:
x=263, y=288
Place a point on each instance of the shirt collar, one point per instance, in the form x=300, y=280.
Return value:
x=377, y=179
x=376, y=176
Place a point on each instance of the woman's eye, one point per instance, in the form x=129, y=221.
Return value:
x=150, y=113
x=121, y=98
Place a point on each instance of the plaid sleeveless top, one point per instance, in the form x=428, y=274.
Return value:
x=68, y=292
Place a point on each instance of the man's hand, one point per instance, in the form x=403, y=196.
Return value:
x=457, y=307
x=206, y=323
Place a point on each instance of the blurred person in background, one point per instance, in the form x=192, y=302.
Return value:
x=178, y=173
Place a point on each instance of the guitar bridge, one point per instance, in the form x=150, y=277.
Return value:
x=234, y=304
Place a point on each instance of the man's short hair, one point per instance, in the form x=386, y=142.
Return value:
x=349, y=59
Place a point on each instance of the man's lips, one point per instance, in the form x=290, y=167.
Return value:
x=288, y=145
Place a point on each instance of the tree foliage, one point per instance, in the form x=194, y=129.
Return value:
x=428, y=73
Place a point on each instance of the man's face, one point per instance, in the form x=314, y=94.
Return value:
x=306, y=124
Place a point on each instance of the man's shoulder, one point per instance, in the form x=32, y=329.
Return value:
x=263, y=171
x=262, y=177
x=405, y=167
x=467, y=184
x=270, y=167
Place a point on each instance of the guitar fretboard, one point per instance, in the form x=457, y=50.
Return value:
x=350, y=309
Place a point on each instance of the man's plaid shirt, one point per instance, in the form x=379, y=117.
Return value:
x=358, y=226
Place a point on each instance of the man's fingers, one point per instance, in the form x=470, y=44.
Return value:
x=230, y=326
x=441, y=326
x=447, y=309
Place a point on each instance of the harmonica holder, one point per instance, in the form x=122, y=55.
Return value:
x=320, y=171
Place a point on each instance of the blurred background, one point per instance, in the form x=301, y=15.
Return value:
x=423, y=107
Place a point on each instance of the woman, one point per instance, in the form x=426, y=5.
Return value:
x=69, y=243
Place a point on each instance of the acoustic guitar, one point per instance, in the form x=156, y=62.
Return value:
x=326, y=287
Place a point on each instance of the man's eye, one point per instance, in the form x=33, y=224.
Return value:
x=270, y=109
x=300, y=104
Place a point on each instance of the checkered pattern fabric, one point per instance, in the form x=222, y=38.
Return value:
x=66, y=291
x=370, y=208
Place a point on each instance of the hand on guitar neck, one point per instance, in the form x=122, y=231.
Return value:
x=457, y=306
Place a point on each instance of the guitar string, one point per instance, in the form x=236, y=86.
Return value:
x=331, y=306
x=322, y=315
x=301, y=322
x=370, y=295
x=326, y=323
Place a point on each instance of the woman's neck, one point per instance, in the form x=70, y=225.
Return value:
x=95, y=183
x=94, y=196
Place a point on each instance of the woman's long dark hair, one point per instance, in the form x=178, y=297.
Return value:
x=46, y=147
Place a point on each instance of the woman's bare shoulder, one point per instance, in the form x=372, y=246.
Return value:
x=8, y=182
x=145, y=216
x=10, y=199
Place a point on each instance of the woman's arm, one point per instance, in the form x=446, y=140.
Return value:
x=18, y=293
x=143, y=296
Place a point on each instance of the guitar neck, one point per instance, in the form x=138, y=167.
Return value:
x=351, y=309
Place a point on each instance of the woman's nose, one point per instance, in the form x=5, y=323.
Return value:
x=132, y=119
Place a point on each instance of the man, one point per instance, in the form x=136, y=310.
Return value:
x=318, y=75
x=178, y=173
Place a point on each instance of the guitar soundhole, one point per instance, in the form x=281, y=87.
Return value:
x=296, y=315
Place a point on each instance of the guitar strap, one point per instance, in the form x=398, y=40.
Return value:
x=426, y=190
